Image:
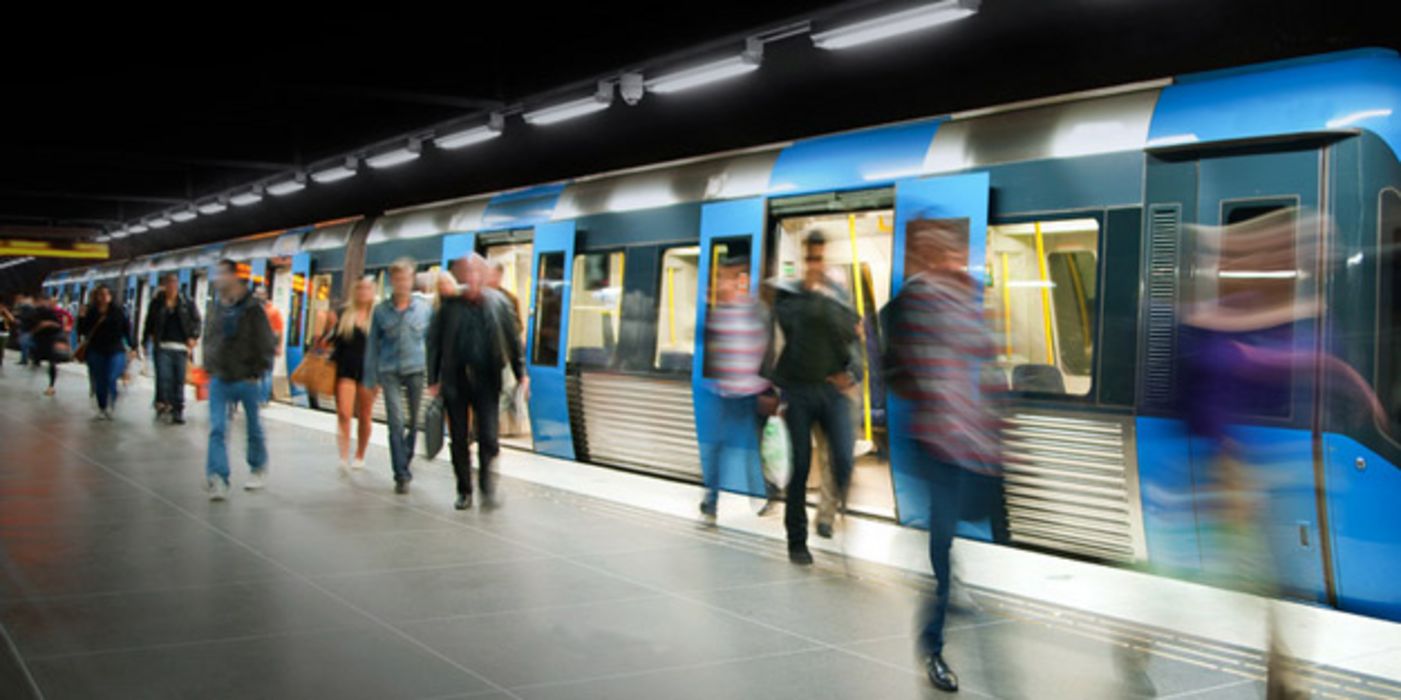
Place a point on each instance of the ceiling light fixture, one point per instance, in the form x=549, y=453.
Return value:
x=137, y=228
x=281, y=188
x=895, y=24
x=399, y=156
x=213, y=206
x=710, y=72
x=158, y=222
x=597, y=102
x=476, y=134
x=247, y=197
x=335, y=173
x=183, y=215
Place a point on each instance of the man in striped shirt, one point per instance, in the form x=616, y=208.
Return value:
x=736, y=341
x=938, y=344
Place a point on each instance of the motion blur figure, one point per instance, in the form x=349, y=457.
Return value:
x=1239, y=357
x=106, y=334
x=354, y=398
x=938, y=344
x=395, y=361
x=736, y=341
x=260, y=294
x=237, y=350
x=172, y=329
x=514, y=415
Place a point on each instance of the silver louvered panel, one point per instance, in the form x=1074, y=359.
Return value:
x=1072, y=485
x=1160, y=347
x=638, y=422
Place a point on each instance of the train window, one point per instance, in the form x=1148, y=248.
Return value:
x=1043, y=298
x=595, y=308
x=676, y=314
x=1389, y=308
x=549, y=309
x=513, y=262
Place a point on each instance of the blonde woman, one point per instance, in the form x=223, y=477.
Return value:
x=353, y=398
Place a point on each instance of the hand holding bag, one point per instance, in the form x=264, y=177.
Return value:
x=317, y=373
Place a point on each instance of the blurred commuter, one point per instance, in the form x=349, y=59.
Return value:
x=24, y=312
x=237, y=348
x=260, y=293
x=938, y=343
x=736, y=342
x=8, y=325
x=514, y=419
x=48, y=338
x=354, y=399
x=395, y=360
x=471, y=338
x=172, y=330
x=814, y=372
x=106, y=339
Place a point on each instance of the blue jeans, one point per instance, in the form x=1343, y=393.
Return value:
x=103, y=371
x=222, y=395
x=26, y=348
x=945, y=499
x=265, y=387
x=170, y=378
x=824, y=405
x=733, y=447
x=401, y=433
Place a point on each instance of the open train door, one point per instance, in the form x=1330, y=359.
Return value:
x=958, y=198
x=295, y=319
x=547, y=324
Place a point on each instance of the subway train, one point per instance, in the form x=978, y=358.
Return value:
x=1078, y=209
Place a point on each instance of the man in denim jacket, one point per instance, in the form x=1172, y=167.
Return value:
x=394, y=359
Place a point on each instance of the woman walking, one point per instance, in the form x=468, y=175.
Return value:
x=353, y=398
x=106, y=334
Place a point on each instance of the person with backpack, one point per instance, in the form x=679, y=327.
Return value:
x=238, y=348
x=471, y=339
x=937, y=344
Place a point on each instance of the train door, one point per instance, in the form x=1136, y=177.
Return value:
x=295, y=317
x=1235, y=246
x=859, y=231
x=320, y=311
x=279, y=285
x=199, y=284
x=547, y=331
x=512, y=255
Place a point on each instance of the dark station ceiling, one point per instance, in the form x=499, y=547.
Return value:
x=107, y=117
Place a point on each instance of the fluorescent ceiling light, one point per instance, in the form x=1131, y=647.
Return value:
x=243, y=199
x=1258, y=274
x=467, y=137
x=296, y=183
x=398, y=156
x=336, y=173
x=704, y=74
x=183, y=215
x=574, y=108
x=102, y=239
x=212, y=207
x=158, y=222
x=895, y=24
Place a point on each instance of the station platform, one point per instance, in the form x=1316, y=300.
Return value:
x=119, y=579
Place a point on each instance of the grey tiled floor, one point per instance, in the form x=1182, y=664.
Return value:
x=121, y=580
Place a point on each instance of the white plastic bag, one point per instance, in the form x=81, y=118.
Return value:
x=775, y=451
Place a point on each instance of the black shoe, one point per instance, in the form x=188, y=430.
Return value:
x=824, y=530
x=464, y=501
x=799, y=554
x=177, y=417
x=940, y=674
x=401, y=487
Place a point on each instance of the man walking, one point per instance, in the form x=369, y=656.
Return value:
x=471, y=339
x=171, y=331
x=814, y=372
x=237, y=350
x=938, y=344
x=395, y=359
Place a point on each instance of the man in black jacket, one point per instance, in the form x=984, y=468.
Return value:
x=238, y=348
x=172, y=329
x=471, y=339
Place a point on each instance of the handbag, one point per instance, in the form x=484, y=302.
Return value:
x=316, y=373
x=433, y=428
x=81, y=354
x=775, y=451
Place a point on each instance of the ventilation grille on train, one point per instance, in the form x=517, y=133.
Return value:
x=639, y=422
x=1072, y=485
x=1160, y=347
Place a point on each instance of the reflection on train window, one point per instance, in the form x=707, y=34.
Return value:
x=549, y=309
x=858, y=254
x=676, y=314
x=595, y=308
x=1389, y=318
x=1043, y=300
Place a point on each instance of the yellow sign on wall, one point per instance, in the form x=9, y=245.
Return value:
x=54, y=249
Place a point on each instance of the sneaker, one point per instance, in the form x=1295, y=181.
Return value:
x=463, y=502
x=256, y=481
x=401, y=487
x=707, y=510
x=798, y=554
x=358, y=464
x=218, y=489
x=49, y=391
x=177, y=417
x=345, y=468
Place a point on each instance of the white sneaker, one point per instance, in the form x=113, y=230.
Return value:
x=256, y=481
x=358, y=465
x=345, y=467
x=218, y=490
